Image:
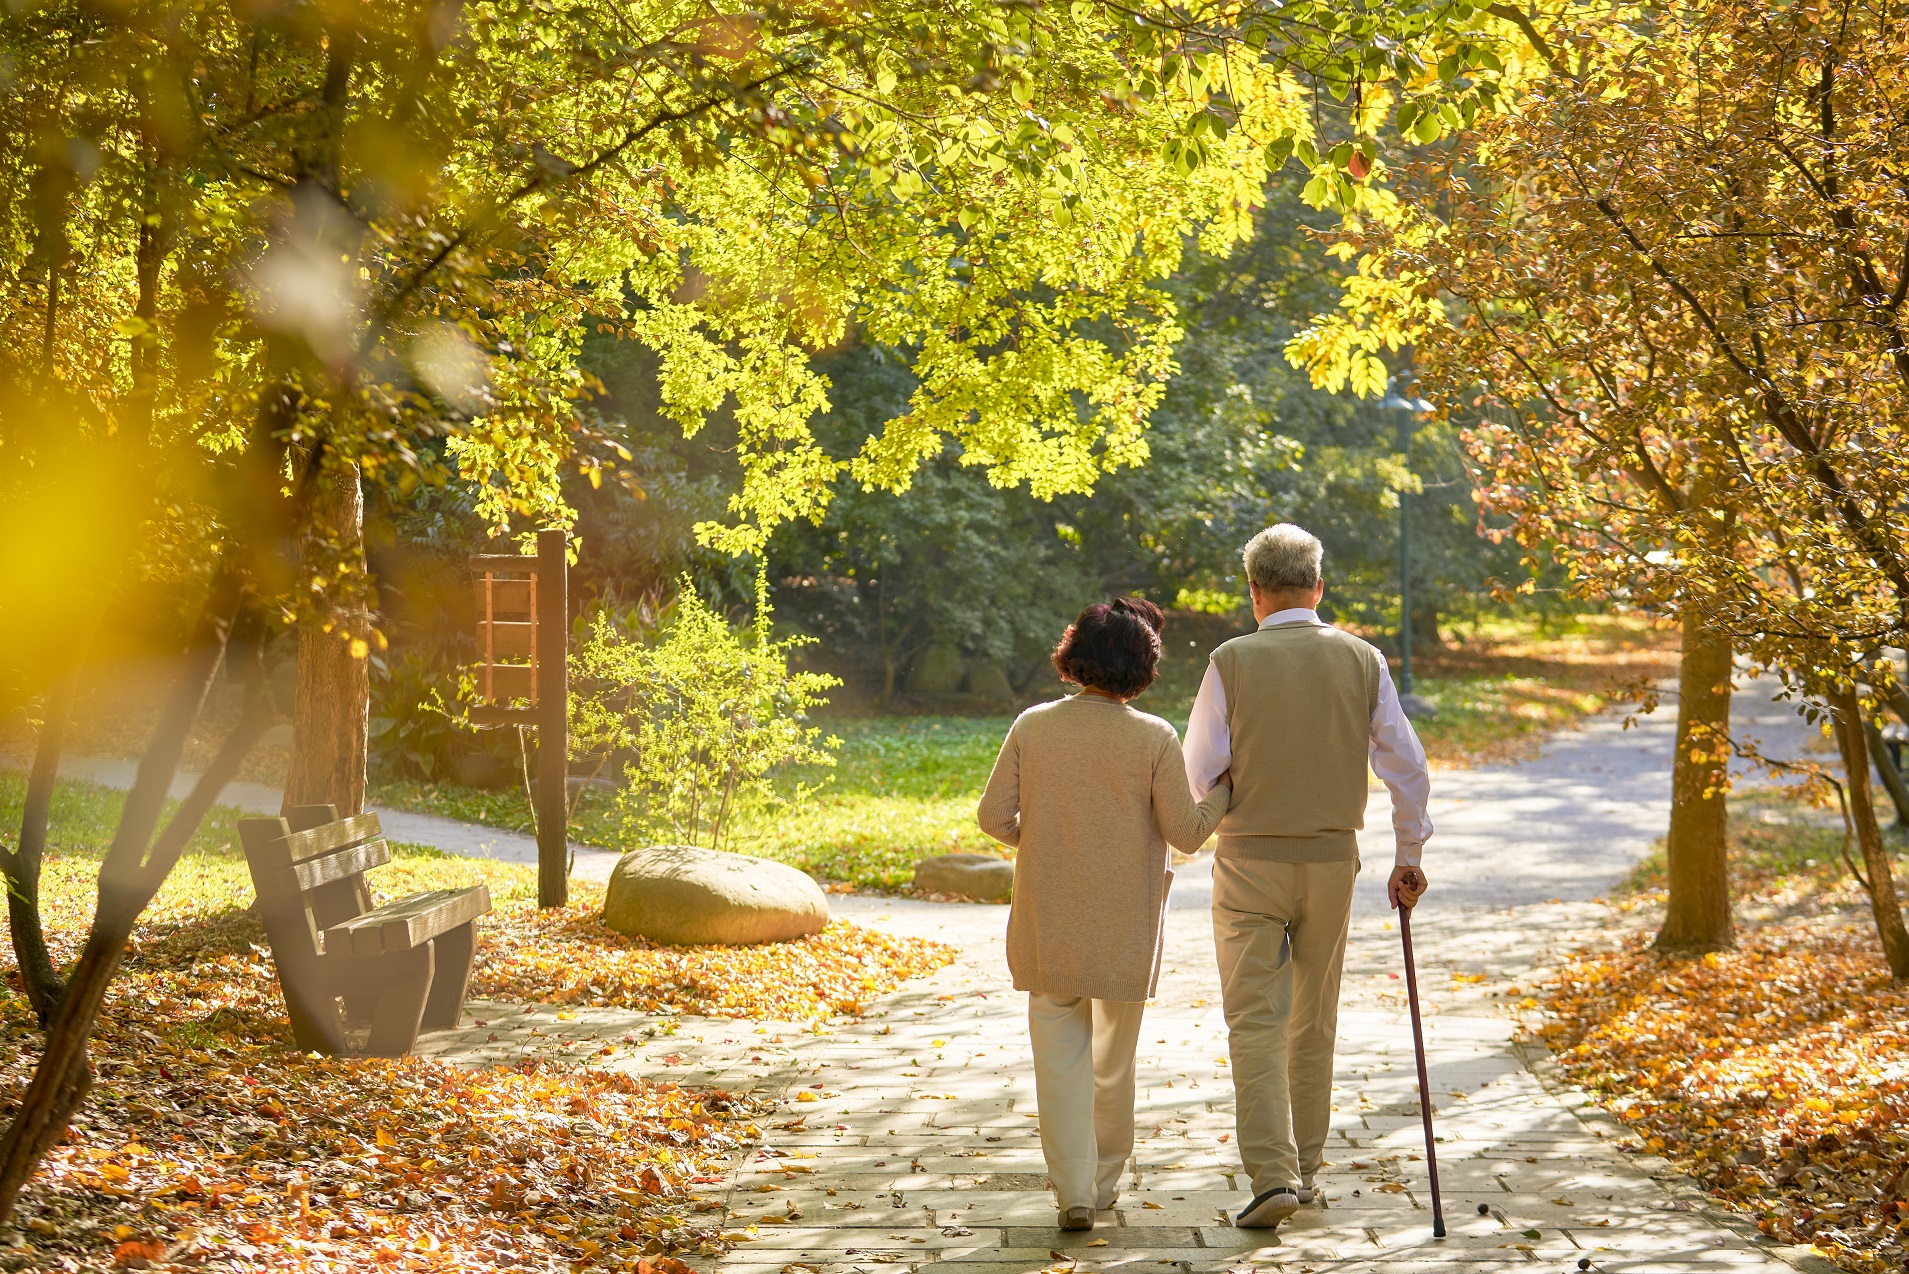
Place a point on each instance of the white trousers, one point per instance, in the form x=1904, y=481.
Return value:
x=1083, y=1083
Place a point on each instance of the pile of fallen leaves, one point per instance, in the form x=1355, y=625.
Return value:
x=566, y=956
x=1777, y=1074
x=195, y=1148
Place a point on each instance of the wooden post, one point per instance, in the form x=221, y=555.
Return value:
x=553, y=719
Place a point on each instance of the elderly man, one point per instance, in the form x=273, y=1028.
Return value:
x=1295, y=710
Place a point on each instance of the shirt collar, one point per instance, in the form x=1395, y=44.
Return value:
x=1291, y=615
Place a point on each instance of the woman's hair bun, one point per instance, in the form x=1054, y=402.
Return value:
x=1143, y=610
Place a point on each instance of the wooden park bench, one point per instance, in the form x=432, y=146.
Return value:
x=402, y=967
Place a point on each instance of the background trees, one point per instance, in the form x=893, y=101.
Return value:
x=351, y=246
x=1677, y=278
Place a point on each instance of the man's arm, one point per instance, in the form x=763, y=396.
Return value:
x=1209, y=740
x=1398, y=758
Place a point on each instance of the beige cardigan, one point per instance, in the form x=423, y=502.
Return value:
x=1091, y=793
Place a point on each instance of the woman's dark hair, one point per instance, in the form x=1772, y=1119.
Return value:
x=1113, y=646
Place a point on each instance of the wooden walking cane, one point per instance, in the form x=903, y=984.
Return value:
x=1418, y=1046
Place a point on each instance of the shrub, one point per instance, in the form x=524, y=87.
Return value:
x=701, y=719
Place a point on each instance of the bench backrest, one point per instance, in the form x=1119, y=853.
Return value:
x=309, y=872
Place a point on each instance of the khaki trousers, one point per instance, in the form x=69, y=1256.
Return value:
x=1083, y=1084
x=1280, y=932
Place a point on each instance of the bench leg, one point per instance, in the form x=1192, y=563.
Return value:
x=452, y=980
x=394, y=1029
x=311, y=1004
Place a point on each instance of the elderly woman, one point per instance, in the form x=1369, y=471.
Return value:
x=1091, y=793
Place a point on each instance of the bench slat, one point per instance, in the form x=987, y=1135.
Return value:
x=299, y=846
x=408, y=922
x=353, y=860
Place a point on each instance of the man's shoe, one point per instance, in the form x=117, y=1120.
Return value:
x=1308, y=1194
x=1077, y=1219
x=1269, y=1209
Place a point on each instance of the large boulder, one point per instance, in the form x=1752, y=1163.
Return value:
x=935, y=671
x=988, y=680
x=979, y=876
x=689, y=897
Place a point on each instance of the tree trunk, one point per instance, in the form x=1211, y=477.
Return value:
x=22, y=866
x=1883, y=903
x=331, y=709
x=1892, y=778
x=1697, y=915
x=136, y=864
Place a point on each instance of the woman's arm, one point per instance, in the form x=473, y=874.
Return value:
x=1185, y=823
x=1000, y=810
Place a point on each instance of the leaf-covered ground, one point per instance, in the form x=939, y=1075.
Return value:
x=567, y=957
x=209, y=1139
x=202, y=1151
x=1778, y=1074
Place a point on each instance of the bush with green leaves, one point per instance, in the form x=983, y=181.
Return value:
x=700, y=720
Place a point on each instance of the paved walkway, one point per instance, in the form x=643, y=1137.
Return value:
x=907, y=1139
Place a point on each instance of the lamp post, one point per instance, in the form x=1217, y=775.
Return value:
x=1408, y=409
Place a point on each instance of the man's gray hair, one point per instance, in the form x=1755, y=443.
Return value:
x=1283, y=557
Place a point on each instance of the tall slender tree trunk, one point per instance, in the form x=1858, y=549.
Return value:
x=1884, y=905
x=1697, y=915
x=136, y=864
x=22, y=866
x=331, y=708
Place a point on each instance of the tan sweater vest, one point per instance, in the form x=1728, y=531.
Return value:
x=1299, y=704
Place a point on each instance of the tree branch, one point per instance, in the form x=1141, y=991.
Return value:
x=1543, y=46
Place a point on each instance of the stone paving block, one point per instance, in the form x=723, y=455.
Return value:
x=1033, y=1236
x=1159, y=1185
x=809, y=1238
x=1504, y=1139
x=1172, y=1214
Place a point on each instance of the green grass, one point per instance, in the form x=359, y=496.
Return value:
x=905, y=787
x=211, y=886
x=902, y=788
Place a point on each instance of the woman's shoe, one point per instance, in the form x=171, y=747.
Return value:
x=1077, y=1219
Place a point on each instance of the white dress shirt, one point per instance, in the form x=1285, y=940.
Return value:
x=1397, y=757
